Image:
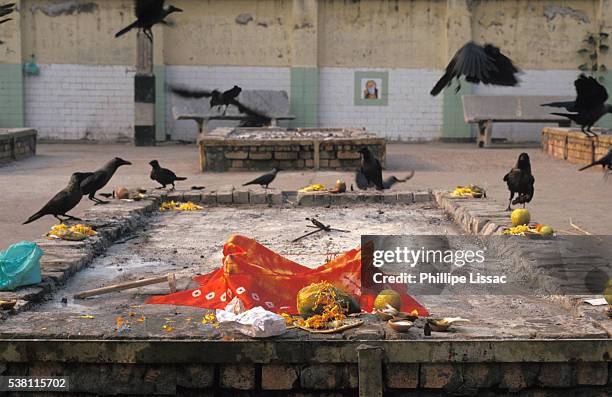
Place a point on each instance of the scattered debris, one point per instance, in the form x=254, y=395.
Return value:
x=170, y=279
x=179, y=206
x=77, y=232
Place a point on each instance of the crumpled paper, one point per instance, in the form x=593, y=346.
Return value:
x=256, y=322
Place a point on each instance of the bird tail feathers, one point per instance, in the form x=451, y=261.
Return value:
x=126, y=29
x=34, y=217
x=589, y=166
x=180, y=178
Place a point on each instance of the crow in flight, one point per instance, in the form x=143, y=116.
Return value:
x=605, y=162
x=5, y=10
x=590, y=104
x=478, y=64
x=362, y=182
x=163, y=175
x=520, y=181
x=98, y=179
x=149, y=13
x=218, y=99
x=64, y=201
x=370, y=170
x=265, y=179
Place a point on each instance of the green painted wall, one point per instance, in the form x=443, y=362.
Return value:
x=606, y=121
x=305, y=96
x=11, y=96
x=453, y=124
x=160, y=102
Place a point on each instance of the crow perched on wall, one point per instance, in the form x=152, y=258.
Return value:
x=363, y=184
x=265, y=179
x=149, y=13
x=590, y=104
x=478, y=64
x=98, y=179
x=520, y=181
x=605, y=162
x=370, y=169
x=64, y=201
x=163, y=176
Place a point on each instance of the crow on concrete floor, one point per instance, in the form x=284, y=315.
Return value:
x=520, y=181
x=605, y=162
x=478, y=64
x=6, y=9
x=370, y=169
x=149, y=13
x=265, y=179
x=163, y=175
x=64, y=201
x=218, y=99
x=98, y=179
x=362, y=182
x=590, y=104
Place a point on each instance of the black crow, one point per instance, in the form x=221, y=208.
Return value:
x=605, y=162
x=370, y=169
x=478, y=64
x=64, y=201
x=590, y=104
x=163, y=175
x=218, y=99
x=520, y=181
x=362, y=182
x=100, y=178
x=265, y=179
x=149, y=13
x=6, y=9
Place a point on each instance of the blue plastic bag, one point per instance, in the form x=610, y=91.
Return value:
x=20, y=265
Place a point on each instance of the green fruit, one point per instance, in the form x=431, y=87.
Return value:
x=307, y=298
x=546, y=230
x=520, y=216
x=388, y=297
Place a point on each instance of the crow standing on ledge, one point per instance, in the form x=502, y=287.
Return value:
x=64, y=201
x=590, y=104
x=370, y=170
x=478, y=64
x=363, y=184
x=520, y=181
x=163, y=175
x=100, y=178
x=265, y=179
x=149, y=13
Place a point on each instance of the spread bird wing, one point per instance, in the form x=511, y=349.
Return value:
x=232, y=93
x=589, y=92
x=146, y=8
x=6, y=9
x=191, y=93
x=246, y=110
x=506, y=71
x=470, y=61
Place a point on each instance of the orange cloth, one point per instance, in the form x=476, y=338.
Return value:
x=261, y=277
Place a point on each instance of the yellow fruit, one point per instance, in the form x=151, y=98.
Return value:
x=546, y=230
x=520, y=216
x=608, y=292
x=388, y=297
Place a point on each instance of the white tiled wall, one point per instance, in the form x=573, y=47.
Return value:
x=411, y=114
x=533, y=82
x=222, y=78
x=81, y=102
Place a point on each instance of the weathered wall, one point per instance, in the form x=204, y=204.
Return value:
x=310, y=48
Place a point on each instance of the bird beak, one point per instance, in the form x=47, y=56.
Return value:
x=125, y=162
x=177, y=9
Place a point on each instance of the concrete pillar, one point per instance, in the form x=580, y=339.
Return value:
x=144, y=93
x=11, y=72
x=304, y=63
x=370, y=371
x=458, y=32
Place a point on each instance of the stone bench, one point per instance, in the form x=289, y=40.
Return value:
x=17, y=143
x=274, y=105
x=484, y=110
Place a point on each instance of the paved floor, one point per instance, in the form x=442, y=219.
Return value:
x=561, y=191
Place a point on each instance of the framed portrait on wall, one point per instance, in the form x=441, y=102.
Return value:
x=371, y=88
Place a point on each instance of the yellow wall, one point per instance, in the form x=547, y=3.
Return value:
x=347, y=33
